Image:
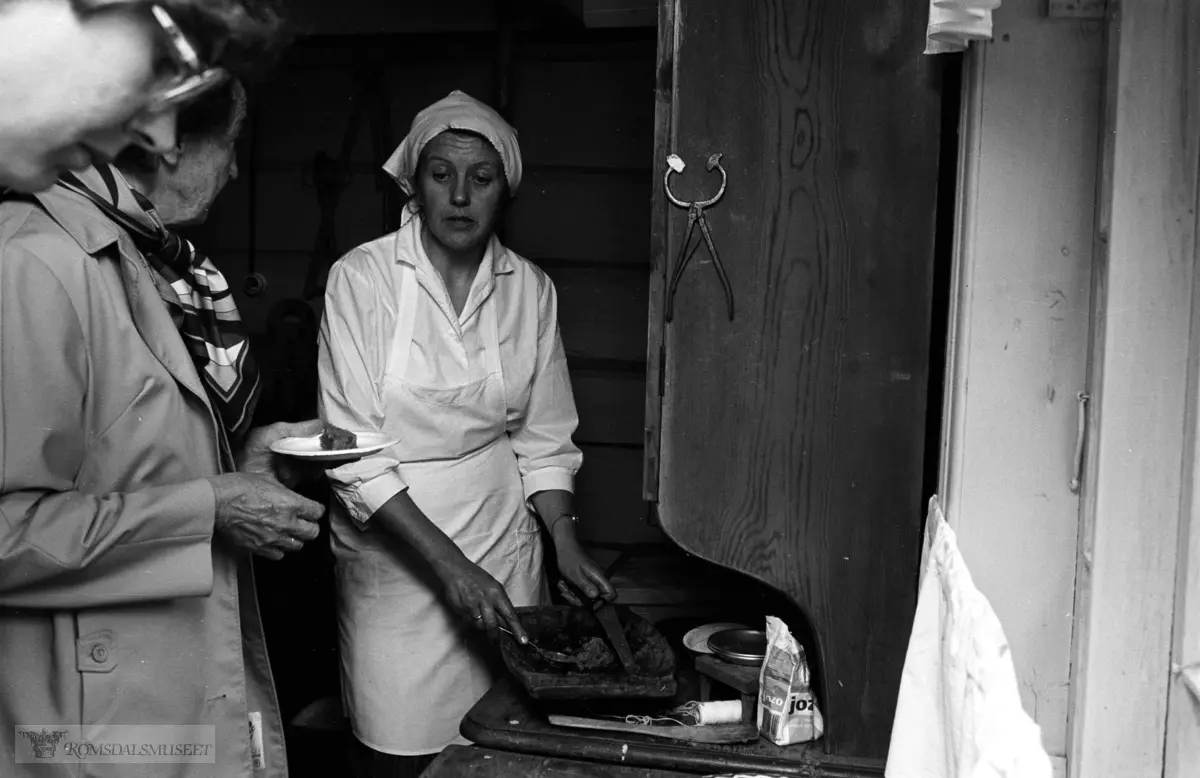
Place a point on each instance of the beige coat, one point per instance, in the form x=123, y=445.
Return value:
x=117, y=606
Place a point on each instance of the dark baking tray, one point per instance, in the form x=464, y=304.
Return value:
x=555, y=626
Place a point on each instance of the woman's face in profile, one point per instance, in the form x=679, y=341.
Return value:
x=460, y=188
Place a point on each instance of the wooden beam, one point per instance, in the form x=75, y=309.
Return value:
x=1182, y=753
x=1144, y=353
x=665, y=124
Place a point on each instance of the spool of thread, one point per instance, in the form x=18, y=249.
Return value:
x=719, y=712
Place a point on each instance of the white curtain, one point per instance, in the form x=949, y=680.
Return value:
x=959, y=712
x=955, y=23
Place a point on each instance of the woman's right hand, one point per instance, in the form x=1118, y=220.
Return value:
x=474, y=593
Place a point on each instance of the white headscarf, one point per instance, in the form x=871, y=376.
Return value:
x=456, y=111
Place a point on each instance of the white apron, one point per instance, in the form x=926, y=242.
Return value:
x=411, y=668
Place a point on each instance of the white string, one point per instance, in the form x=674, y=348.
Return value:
x=692, y=714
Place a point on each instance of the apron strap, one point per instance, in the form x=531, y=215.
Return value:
x=406, y=317
x=489, y=332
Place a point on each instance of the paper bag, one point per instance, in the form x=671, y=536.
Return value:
x=787, y=709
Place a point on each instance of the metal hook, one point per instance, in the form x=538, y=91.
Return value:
x=677, y=165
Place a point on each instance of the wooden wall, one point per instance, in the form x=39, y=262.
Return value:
x=583, y=105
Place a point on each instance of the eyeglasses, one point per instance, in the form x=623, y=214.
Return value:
x=192, y=76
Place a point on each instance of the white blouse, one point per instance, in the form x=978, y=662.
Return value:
x=447, y=351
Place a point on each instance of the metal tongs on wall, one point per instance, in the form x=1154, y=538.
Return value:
x=696, y=215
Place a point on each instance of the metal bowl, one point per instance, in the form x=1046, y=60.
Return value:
x=740, y=646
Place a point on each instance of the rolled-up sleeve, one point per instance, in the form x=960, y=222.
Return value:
x=546, y=455
x=350, y=358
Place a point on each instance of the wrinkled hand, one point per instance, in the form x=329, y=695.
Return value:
x=580, y=573
x=257, y=513
x=257, y=458
x=475, y=594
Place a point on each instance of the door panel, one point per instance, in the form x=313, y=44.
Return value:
x=792, y=438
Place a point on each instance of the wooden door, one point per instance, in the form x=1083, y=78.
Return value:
x=792, y=438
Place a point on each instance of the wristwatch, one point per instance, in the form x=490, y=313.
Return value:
x=574, y=520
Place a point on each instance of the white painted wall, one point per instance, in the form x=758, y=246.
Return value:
x=1020, y=343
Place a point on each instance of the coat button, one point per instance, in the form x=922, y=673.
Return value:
x=99, y=654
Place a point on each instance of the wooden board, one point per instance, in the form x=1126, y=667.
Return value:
x=597, y=214
x=597, y=113
x=1130, y=715
x=289, y=216
x=664, y=145
x=600, y=312
x=476, y=762
x=1022, y=287
x=506, y=719
x=608, y=499
x=792, y=438
x=712, y=733
x=307, y=111
x=609, y=406
x=740, y=677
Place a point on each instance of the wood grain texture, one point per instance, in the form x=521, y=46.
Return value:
x=1130, y=715
x=792, y=438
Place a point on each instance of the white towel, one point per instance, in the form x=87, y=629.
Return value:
x=959, y=713
x=955, y=23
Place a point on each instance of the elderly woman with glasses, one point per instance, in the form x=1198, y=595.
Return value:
x=132, y=493
x=81, y=80
x=446, y=340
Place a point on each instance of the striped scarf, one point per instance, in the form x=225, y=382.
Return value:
x=204, y=308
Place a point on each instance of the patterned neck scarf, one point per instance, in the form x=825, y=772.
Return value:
x=204, y=309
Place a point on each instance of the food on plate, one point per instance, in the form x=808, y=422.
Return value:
x=335, y=438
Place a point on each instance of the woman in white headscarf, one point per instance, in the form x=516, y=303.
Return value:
x=439, y=336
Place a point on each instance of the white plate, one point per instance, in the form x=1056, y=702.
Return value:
x=310, y=447
x=697, y=639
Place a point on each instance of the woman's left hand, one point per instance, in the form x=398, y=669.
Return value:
x=581, y=572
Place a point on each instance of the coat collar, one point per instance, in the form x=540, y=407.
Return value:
x=81, y=219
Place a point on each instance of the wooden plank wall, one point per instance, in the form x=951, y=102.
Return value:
x=586, y=119
x=584, y=109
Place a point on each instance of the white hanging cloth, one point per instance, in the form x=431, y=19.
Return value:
x=959, y=711
x=955, y=23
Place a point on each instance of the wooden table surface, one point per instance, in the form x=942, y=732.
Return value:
x=488, y=763
x=508, y=720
